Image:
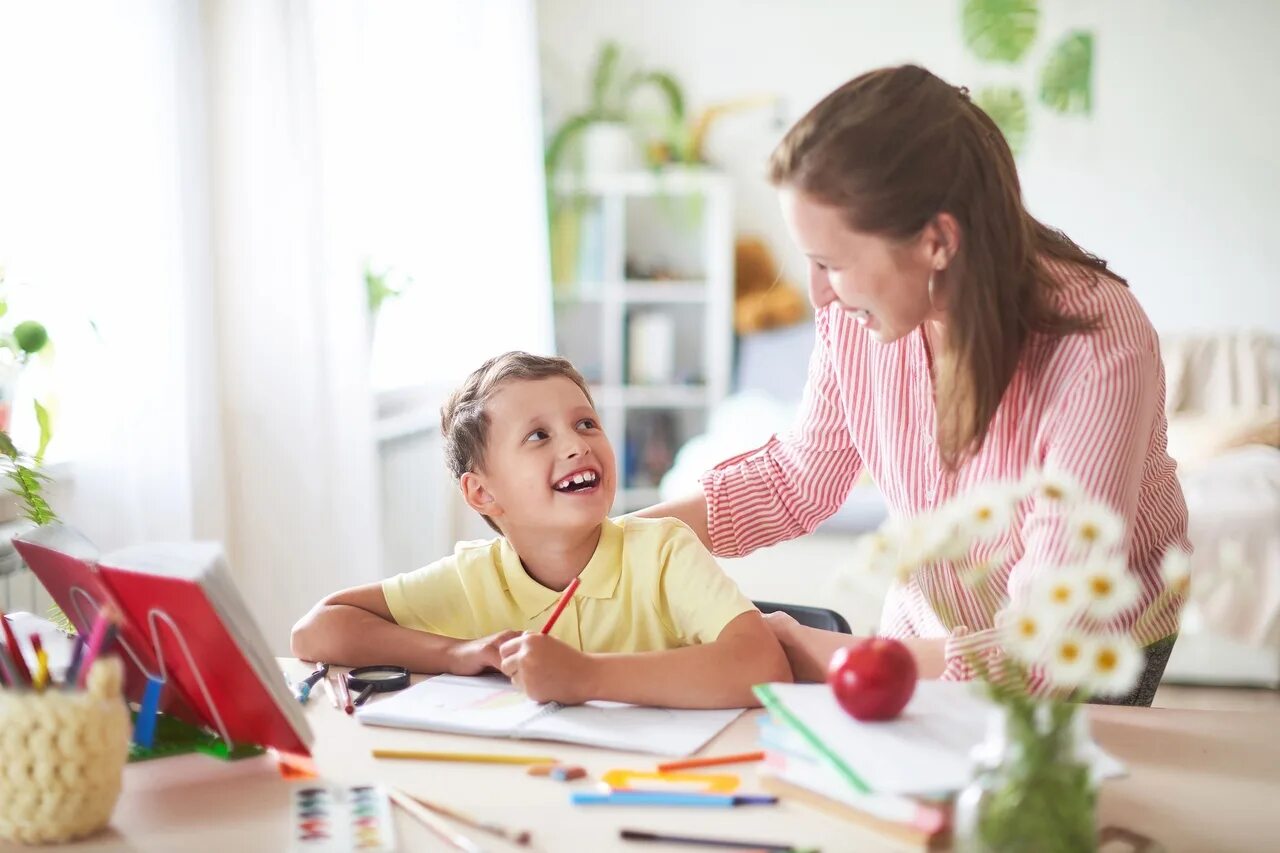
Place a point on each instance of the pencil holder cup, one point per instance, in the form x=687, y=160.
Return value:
x=62, y=755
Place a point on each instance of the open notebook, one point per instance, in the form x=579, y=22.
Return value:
x=490, y=706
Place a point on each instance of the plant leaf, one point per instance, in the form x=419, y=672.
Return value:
x=1066, y=81
x=1000, y=30
x=7, y=446
x=45, y=420
x=1008, y=109
x=602, y=79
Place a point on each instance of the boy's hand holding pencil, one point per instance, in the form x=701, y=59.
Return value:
x=546, y=669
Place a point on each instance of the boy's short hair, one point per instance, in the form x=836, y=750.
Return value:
x=464, y=421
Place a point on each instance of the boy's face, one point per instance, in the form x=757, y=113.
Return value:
x=547, y=461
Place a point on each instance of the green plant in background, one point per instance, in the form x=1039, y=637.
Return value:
x=18, y=346
x=1066, y=81
x=1008, y=109
x=379, y=288
x=610, y=100
x=1000, y=30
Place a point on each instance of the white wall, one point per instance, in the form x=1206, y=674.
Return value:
x=1175, y=180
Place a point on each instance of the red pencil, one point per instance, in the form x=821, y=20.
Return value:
x=346, y=695
x=19, y=662
x=560, y=605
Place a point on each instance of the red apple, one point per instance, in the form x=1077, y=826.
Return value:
x=873, y=678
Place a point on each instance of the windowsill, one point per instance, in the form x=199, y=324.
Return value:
x=405, y=412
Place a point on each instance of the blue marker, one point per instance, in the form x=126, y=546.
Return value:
x=304, y=686
x=144, y=730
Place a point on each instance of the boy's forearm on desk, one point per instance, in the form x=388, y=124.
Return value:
x=350, y=636
x=705, y=676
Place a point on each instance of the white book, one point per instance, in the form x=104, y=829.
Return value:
x=490, y=706
x=925, y=752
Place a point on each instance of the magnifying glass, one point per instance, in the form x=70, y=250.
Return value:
x=376, y=679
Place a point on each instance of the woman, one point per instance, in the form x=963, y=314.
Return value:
x=959, y=341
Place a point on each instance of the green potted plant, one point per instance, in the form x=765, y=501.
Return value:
x=18, y=344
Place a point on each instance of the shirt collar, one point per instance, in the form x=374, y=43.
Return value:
x=598, y=580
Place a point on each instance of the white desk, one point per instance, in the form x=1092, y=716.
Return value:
x=1199, y=780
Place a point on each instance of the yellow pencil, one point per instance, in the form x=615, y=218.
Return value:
x=41, y=678
x=474, y=757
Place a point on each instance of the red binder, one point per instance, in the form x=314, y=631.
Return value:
x=181, y=620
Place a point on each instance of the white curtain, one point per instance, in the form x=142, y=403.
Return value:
x=291, y=326
x=188, y=193
x=101, y=224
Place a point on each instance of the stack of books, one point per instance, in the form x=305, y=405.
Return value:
x=897, y=777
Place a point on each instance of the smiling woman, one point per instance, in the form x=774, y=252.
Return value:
x=960, y=342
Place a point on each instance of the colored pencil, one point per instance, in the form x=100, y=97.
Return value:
x=469, y=757
x=699, y=841
x=560, y=605
x=73, y=670
x=709, y=761
x=97, y=639
x=333, y=694
x=15, y=652
x=520, y=837
x=41, y=678
x=346, y=695
x=430, y=821
x=669, y=798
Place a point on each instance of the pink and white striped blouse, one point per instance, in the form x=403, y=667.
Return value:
x=1090, y=403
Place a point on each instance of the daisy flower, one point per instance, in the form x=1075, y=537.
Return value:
x=986, y=512
x=1114, y=663
x=1027, y=634
x=1175, y=569
x=1092, y=527
x=1067, y=659
x=1108, y=587
x=874, y=552
x=1058, y=487
x=1058, y=594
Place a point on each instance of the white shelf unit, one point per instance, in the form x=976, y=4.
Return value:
x=680, y=220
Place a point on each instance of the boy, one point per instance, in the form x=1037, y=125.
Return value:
x=654, y=622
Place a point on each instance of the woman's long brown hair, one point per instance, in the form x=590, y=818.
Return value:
x=895, y=147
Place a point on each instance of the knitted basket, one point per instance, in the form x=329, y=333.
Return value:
x=62, y=755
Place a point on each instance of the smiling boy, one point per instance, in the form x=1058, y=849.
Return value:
x=655, y=621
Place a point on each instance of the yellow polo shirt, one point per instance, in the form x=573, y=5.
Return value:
x=650, y=586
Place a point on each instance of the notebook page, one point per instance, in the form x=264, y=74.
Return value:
x=470, y=705
x=630, y=728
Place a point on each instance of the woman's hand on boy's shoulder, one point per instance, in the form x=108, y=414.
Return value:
x=472, y=657
x=546, y=669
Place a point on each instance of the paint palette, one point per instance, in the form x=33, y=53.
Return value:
x=333, y=818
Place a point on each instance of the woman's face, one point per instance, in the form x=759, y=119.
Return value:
x=883, y=284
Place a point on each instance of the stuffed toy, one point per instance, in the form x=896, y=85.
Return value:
x=762, y=298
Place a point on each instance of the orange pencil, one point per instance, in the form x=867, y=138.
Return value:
x=710, y=761
x=560, y=605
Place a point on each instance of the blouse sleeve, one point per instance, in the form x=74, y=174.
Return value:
x=799, y=478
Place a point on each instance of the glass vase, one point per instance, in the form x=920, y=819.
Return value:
x=1032, y=789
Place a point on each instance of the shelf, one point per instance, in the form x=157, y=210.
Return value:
x=651, y=396
x=670, y=181
x=637, y=291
